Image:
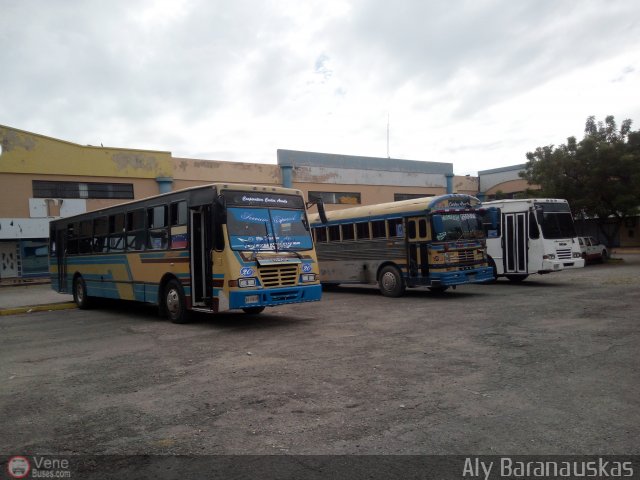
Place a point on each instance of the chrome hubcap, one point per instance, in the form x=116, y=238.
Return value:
x=173, y=301
x=388, y=281
x=79, y=291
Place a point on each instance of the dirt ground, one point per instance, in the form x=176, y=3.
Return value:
x=549, y=366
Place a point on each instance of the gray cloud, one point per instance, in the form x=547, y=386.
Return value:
x=92, y=71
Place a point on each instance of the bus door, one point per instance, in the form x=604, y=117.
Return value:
x=200, y=246
x=515, y=242
x=61, y=258
x=417, y=229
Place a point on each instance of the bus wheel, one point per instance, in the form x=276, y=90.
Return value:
x=390, y=282
x=80, y=293
x=174, y=303
x=494, y=271
x=516, y=278
x=253, y=310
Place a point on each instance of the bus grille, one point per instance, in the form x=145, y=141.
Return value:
x=564, y=254
x=466, y=256
x=279, y=275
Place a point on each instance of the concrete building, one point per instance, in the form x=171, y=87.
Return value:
x=43, y=178
x=502, y=182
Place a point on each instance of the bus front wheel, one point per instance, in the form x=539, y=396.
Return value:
x=174, y=303
x=80, y=296
x=516, y=278
x=390, y=282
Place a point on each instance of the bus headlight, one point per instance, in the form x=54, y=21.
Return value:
x=308, y=277
x=247, y=282
x=577, y=255
x=549, y=256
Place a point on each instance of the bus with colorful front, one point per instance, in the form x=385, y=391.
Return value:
x=208, y=249
x=530, y=235
x=436, y=242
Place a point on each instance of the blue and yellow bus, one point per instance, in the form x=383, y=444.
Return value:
x=208, y=249
x=437, y=242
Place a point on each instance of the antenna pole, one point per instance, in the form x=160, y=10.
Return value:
x=388, y=156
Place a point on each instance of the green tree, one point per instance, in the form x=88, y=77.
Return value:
x=599, y=176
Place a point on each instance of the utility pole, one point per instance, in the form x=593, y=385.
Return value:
x=388, y=156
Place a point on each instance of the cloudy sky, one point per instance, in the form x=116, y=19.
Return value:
x=477, y=83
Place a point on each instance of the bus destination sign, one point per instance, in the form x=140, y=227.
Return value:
x=261, y=199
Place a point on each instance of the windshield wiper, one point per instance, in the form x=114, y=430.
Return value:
x=266, y=232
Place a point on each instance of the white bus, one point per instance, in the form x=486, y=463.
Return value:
x=534, y=235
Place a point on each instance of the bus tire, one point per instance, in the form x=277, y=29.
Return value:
x=494, y=270
x=80, y=296
x=516, y=278
x=253, y=310
x=174, y=303
x=390, y=282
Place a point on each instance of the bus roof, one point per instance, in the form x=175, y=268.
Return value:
x=525, y=200
x=454, y=201
x=219, y=187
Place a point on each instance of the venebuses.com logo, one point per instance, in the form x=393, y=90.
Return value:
x=18, y=467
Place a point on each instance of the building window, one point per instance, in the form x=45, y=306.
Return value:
x=48, y=189
x=342, y=198
x=410, y=196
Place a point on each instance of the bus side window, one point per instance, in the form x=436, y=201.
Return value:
x=72, y=239
x=100, y=231
x=491, y=222
x=422, y=228
x=395, y=227
x=158, y=238
x=362, y=230
x=178, y=220
x=378, y=229
x=534, y=232
x=411, y=229
x=116, y=232
x=334, y=233
x=135, y=230
x=179, y=213
x=347, y=232
x=86, y=237
x=321, y=234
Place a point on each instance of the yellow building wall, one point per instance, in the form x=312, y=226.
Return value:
x=466, y=184
x=16, y=190
x=191, y=172
x=25, y=152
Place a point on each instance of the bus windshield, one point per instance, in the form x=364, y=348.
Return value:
x=555, y=220
x=265, y=229
x=454, y=226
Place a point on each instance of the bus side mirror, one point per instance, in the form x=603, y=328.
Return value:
x=320, y=206
x=221, y=209
x=437, y=223
x=493, y=217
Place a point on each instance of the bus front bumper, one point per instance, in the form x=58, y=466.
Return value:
x=272, y=297
x=448, y=279
x=549, y=266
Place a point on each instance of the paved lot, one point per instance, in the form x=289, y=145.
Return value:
x=548, y=366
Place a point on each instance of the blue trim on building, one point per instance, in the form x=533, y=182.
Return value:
x=502, y=169
x=294, y=158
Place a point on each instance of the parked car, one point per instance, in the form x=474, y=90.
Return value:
x=593, y=250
